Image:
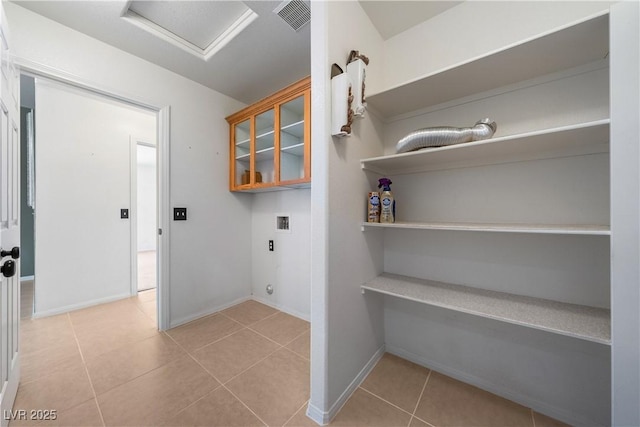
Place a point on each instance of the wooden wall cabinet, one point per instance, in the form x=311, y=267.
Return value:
x=270, y=142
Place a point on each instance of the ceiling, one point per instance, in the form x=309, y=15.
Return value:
x=262, y=54
x=265, y=56
x=393, y=17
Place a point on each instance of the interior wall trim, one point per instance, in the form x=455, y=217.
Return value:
x=325, y=417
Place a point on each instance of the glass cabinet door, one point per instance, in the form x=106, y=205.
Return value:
x=264, y=148
x=242, y=152
x=292, y=147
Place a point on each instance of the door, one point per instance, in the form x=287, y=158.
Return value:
x=9, y=228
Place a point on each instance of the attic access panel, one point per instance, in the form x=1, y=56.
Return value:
x=199, y=27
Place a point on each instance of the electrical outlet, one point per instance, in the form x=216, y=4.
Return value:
x=270, y=245
x=179, y=214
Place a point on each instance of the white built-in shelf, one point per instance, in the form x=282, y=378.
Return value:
x=265, y=139
x=264, y=154
x=578, y=321
x=295, y=129
x=566, y=48
x=589, y=230
x=572, y=140
x=296, y=149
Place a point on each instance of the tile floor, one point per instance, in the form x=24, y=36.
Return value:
x=245, y=366
x=146, y=270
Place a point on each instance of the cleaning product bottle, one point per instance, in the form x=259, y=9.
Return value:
x=388, y=204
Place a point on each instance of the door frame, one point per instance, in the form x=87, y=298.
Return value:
x=163, y=136
x=134, y=142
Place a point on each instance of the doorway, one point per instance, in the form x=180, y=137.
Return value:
x=98, y=196
x=145, y=190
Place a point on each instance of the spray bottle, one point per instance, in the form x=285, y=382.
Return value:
x=388, y=204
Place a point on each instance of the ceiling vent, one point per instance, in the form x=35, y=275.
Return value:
x=295, y=13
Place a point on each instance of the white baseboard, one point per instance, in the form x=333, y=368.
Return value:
x=203, y=313
x=325, y=417
x=72, y=307
x=27, y=278
x=541, y=407
x=287, y=310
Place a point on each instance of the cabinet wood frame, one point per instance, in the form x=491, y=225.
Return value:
x=275, y=101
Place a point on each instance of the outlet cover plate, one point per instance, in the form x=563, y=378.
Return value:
x=179, y=214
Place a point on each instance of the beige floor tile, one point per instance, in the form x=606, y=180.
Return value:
x=150, y=309
x=275, y=388
x=448, y=402
x=108, y=335
x=67, y=387
x=156, y=395
x=230, y=356
x=43, y=362
x=544, y=421
x=204, y=331
x=95, y=316
x=249, y=312
x=218, y=408
x=302, y=345
x=84, y=415
x=123, y=364
x=146, y=296
x=147, y=270
x=397, y=381
x=47, y=332
x=300, y=419
x=281, y=328
x=365, y=409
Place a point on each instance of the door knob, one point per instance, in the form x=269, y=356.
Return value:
x=14, y=253
x=8, y=269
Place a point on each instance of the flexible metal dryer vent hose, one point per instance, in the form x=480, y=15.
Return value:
x=446, y=135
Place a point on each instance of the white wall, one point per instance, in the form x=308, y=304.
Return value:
x=146, y=199
x=288, y=267
x=625, y=213
x=504, y=360
x=206, y=272
x=82, y=246
x=347, y=328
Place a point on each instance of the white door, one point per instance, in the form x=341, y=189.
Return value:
x=9, y=227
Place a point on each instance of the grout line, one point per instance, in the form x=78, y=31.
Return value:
x=419, y=398
x=245, y=370
x=296, y=412
x=86, y=370
x=386, y=401
x=264, y=336
x=221, y=384
x=245, y=405
x=216, y=340
x=533, y=419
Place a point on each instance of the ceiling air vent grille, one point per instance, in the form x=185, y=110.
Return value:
x=295, y=13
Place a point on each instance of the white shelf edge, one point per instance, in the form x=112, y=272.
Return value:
x=565, y=229
x=373, y=97
x=577, y=321
x=370, y=163
x=292, y=147
x=298, y=123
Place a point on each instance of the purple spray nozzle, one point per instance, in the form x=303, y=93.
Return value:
x=385, y=183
